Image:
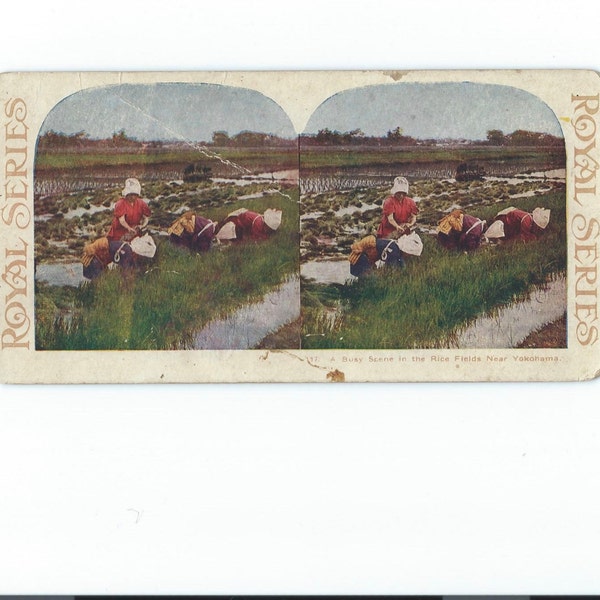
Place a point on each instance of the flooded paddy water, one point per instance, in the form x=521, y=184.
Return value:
x=65, y=181
x=246, y=327
x=511, y=324
x=60, y=273
x=319, y=180
x=327, y=271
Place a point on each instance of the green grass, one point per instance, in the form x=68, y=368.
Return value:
x=162, y=305
x=348, y=156
x=435, y=293
x=250, y=158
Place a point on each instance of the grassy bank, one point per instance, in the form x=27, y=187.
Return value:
x=162, y=304
x=435, y=293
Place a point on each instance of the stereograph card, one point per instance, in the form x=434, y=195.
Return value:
x=299, y=226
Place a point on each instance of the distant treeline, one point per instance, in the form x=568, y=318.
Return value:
x=53, y=140
x=395, y=137
x=522, y=137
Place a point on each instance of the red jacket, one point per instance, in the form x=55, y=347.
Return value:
x=518, y=223
x=133, y=215
x=249, y=225
x=402, y=210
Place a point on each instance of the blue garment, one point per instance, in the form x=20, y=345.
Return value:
x=387, y=251
x=121, y=254
x=93, y=269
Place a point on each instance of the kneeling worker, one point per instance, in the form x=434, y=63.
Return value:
x=366, y=252
x=192, y=231
x=523, y=225
x=246, y=224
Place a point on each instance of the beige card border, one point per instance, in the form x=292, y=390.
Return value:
x=26, y=99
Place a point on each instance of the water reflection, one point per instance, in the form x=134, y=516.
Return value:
x=511, y=324
x=247, y=326
x=327, y=271
x=60, y=273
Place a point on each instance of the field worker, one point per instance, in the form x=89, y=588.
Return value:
x=399, y=211
x=131, y=213
x=101, y=253
x=523, y=225
x=192, y=231
x=246, y=224
x=459, y=231
x=366, y=252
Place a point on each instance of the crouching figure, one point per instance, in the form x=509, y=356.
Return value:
x=513, y=223
x=244, y=224
x=366, y=253
x=103, y=253
x=459, y=231
x=192, y=231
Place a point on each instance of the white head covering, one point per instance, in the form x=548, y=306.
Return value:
x=541, y=217
x=400, y=185
x=132, y=186
x=144, y=246
x=495, y=230
x=227, y=232
x=410, y=244
x=272, y=218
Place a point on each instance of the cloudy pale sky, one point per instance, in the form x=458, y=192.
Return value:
x=437, y=110
x=193, y=111
x=168, y=111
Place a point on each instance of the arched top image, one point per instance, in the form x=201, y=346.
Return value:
x=168, y=111
x=428, y=212
x=166, y=217
x=464, y=110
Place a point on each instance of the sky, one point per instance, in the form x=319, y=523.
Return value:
x=436, y=110
x=192, y=112
x=171, y=111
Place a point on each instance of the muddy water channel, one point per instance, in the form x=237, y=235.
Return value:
x=511, y=324
x=247, y=326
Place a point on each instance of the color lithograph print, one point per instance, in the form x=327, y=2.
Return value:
x=299, y=226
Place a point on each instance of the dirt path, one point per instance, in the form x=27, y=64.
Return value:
x=286, y=337
x=552, y=335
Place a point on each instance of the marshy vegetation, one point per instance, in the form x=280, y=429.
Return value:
x=64, y=222
x=162, y=304
x=423, y=305
x=332, y=221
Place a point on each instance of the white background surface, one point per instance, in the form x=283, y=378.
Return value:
x=383, y=489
